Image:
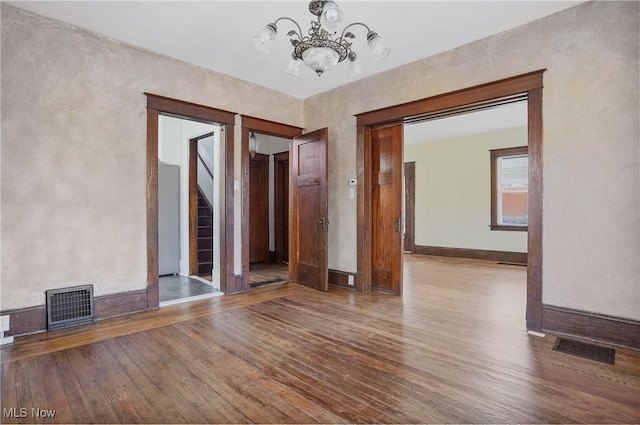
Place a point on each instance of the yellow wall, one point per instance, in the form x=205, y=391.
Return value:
x=453, y=192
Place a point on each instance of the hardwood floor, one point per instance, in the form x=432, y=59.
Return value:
x=260, y=272
x=453, y=349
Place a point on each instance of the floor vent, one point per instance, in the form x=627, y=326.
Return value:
x=588, y=351
x=69, y=307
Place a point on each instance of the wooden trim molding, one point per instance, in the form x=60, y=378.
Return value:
x=26, y=321
x=534, y=234
x=263, y=127
x=244, y=211
x=153, y=292
x=32, y=320
x=193, y=206
x=474, y=254
x=181, y=109
x=481, y=93
x=281, y=207
x=157, y=105
x=120, y=304
x=598, y=327
x=526, y=86
x=341, y=279
x=364, y=218
x=228, y=281
x=409, y=240
x=271, y=128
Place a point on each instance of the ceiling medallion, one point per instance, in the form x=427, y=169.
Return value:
x=320, y=50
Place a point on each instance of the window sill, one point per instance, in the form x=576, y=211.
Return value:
x=509, y=228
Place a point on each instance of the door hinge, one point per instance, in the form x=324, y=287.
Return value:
x=398, y=225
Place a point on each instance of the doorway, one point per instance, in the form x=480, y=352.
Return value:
x=455, y=190
x=524, y=87
x=268, y=199
x=188, y=155
x=277, y=266
x=157, y=106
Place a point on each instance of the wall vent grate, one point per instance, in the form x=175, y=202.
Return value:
x=69, y=307
x=588, y=351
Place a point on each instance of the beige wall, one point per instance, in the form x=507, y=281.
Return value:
x=591, y=156
x=73, y=152
x=453, y=191
x=73, y=148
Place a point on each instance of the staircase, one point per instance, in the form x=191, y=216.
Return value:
x=205, y=236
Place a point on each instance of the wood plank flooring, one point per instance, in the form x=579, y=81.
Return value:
x=453, y=349
x=259, y=272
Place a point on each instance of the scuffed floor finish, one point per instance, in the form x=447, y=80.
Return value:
x=453, y=349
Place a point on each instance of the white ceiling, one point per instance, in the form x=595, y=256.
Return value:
x=217, y=34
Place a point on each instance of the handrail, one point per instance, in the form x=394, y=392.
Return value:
x=204, y=163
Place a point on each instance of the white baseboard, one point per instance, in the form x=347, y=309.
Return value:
x=190, y=299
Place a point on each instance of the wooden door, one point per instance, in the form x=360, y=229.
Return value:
x=308, y=215
x=281, y=207
x=259, y=208
x=386, y=204
x=409, y=242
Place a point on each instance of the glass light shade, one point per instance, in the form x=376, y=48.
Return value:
x=378, y=50
x=253, y=144
x=293, y=67
x=355, y=68
x=263, y=39
x=320, y=58
x=331, y=16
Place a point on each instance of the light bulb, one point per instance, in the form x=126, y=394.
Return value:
x=378, y=50
x=331, y=15
x=262, y=40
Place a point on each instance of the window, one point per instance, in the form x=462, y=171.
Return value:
x=510, y=188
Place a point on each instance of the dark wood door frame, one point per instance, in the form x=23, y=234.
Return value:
x=269, y=128
x=409, y=242
x=526, y=86
x=259, y=211
x=281, y=206
x=157, y=105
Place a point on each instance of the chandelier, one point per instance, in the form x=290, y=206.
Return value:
x=320, y=50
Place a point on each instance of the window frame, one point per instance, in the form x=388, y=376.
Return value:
x=496, y=154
